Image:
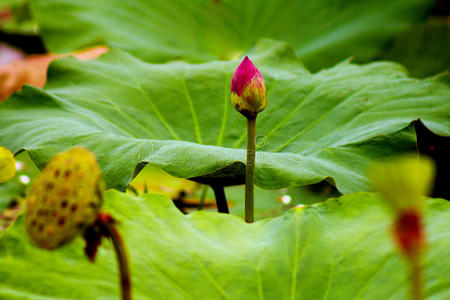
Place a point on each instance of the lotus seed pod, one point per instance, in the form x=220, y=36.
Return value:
x=403, y=182
x=7, y=165
x=64, y=199
x=248, y=90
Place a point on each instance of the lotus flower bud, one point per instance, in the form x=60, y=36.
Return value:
x=7, y=165
x=64, y=199
x=403, y=183
x=248, y=90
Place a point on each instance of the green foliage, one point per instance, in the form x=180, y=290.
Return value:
x=177, y=116
x=21, y=21
x=9, y=192
x=10, y=3
x=340, y=249
x=166, y=102
x=322, y=32
x=189, y=194
x=423, y=49
x=270, y=203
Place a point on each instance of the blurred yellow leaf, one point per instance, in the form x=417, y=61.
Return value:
x=7, y=165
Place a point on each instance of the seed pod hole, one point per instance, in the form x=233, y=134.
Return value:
x=49, y=186
x=64, y=203
x=67, y=174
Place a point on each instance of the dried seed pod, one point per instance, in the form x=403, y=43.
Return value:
x=64, y=199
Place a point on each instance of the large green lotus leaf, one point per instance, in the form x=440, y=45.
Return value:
x=178, y=117
x=340, y=249
x=322, y=32
x=423, y=49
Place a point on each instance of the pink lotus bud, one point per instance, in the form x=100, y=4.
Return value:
x=248, y=90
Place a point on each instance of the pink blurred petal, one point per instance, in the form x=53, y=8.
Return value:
x=9, y=54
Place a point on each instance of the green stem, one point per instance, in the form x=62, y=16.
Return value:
x=250, y=170
x=122, y=258
x=202, y=199
x=416, y=278
x=221, y=200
